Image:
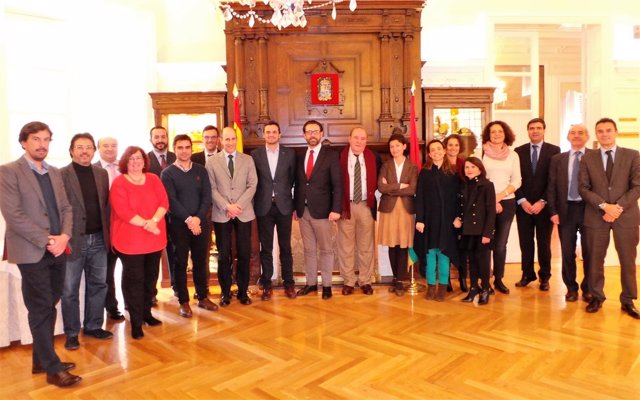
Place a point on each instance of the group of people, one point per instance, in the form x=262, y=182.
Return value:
x=454, y=211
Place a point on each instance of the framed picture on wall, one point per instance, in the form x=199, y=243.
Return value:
x=325, y=89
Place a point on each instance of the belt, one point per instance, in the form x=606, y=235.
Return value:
x=575, y=202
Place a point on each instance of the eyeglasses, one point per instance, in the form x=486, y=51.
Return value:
x=312, y=132
x=136, y=158
x=210, y=138
x=82, y=147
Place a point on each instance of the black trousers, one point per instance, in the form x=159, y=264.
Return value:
x=535, y=230
x=398, y=258
x=139, y=277
x=479, y=266
x=570, y=225
x=282, y=223
x=185, y=241
x=111, y=302
x=242, y=230
x=501, y=236
x=42, y=284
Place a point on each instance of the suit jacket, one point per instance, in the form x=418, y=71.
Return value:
x=322, y=192
x=25, y=212
x=391, y=191
x=279, y=186
x=74, y=194
x=200, y=157
x=558, y=187
x=534, y=186
x=624, y=188
x=237, y=190
x=154, y=164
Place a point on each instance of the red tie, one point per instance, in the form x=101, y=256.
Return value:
x=310, y=164
x=163, y=162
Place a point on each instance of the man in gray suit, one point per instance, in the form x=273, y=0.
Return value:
x=87, y=188
x=39, y=222
x=276, y=169
x=233, y=184
x=566, y=208
x=610, y=187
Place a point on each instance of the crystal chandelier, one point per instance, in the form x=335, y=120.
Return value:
x=285, y=12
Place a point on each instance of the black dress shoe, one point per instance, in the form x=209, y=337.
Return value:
x=631, y=310
x=63, y=379
x=571, y=296
x=72, y=343
x=66, y=366
x=266, y=294
x=245, y=301
x=586, y=296
x=500, y=287
x=136, y=332
x=151, y=321
x=116, y=315
x=225, y=301
x=594, y=305
x=306, y=289
x=367, y=289
x=544, y=286
x=473, y=292
x=326, y=292
x=98, y=333
x=347, y=290
x=524, y=281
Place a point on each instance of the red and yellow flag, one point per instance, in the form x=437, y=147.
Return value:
x=237, y=126
x=414, y=147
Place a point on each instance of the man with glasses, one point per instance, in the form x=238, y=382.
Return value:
x=318, y=201
x=87, y=188
x=210, y=138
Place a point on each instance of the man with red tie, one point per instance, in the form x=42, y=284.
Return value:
x=318, y=201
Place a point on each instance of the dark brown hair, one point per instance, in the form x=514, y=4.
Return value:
x=447, y=168
x=509, y=137
x=455, y=136
x=128, y=152
x=33, y=127
x=478, y=163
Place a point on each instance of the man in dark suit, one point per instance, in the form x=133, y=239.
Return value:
x=534, y=225
x=318, y=200
x=108, y=150
x=610, y=187
x=210, y=138
x=273, y=204
x=159, y=159
x=233, y=184
x=567, y=210
x=39, y=221
x=87, y=188
x=355, y=241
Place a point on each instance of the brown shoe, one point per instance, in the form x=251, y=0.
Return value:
x=431, y=292
x=399, y=289
x=38, y=369
x=185, y=310
x=290, y=291
x=63, y=379
x=347, y=290
x=266, y=294
x=367, y=289
x=586, y=296
x=207, y=304
x=441, y=293
x=571, y=296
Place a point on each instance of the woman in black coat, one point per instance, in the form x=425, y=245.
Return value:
x=477, y=202
x=436, y=210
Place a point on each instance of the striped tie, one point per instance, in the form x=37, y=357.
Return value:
x=357, y=182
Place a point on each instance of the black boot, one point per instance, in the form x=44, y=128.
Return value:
x=472, y=294
x=431, y=292
x=484, y=298
x=449, y=287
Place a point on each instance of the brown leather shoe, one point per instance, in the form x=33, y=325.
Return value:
x=441, y=292
x=185, y=310
x=63, y=379
x=266, y=294
x=367, y=289
x=207, y=304
x=37, y=368
x=544, y=286
x=347, y=290
x=290, y=291
x=571, y=296
x=594, y=305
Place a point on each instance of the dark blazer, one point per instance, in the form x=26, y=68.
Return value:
x=534, y=187
x=25, y=211
x=623, y=190
x=154, y=164
x=74, y=194
x=478, y=206
x=279, y=186
x=322, y=193
x=391, y=191
x=558, y=187
x=200, y=157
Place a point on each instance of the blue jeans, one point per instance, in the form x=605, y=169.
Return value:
x=92, y=260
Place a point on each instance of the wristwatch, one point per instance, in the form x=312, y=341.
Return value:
x=52, y=242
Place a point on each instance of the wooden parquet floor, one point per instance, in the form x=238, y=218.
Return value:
x=527, y=345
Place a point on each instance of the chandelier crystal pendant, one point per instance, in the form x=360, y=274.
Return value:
x=285, y=12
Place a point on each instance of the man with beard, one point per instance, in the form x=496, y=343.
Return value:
x=39, y=221
x=318, y=201
x=87, y=188
x=159, y=159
